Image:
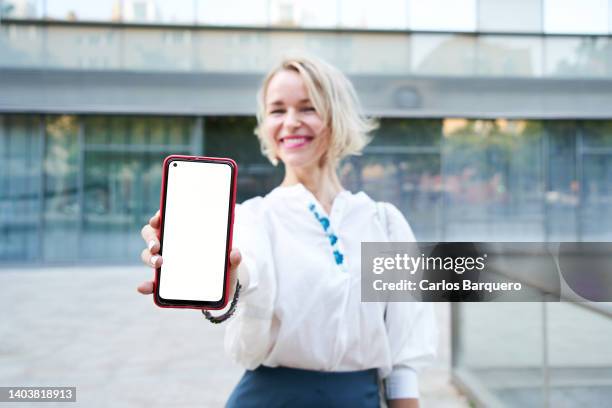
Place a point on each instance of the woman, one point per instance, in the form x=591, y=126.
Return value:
x=301, y=329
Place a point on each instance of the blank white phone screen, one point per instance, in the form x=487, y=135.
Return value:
x=195, y=231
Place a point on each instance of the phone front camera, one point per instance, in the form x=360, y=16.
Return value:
x=175, y=164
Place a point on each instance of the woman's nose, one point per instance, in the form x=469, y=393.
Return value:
x=292, y=120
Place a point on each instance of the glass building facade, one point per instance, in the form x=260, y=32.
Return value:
x=78, y=188
x=495, y=125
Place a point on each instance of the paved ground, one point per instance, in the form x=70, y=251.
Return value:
x=89, y=328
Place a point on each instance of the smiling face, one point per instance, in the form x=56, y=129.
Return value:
x=294, y=129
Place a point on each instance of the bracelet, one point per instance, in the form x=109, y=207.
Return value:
x=229, y=313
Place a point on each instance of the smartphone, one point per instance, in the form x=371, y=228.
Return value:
x=198, y=195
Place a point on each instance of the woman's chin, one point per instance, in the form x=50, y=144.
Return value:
x=299, y=162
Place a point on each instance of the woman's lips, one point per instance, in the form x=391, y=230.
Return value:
x=294, y=142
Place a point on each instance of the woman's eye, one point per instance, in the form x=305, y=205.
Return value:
x=308, y=109
x=276, y=111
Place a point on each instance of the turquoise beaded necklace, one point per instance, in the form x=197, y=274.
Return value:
x=331, y=236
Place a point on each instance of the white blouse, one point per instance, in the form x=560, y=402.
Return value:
x=302, y=310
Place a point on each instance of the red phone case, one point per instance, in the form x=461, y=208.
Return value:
x=227, y=289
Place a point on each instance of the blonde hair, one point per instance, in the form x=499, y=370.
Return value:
x=333, y=97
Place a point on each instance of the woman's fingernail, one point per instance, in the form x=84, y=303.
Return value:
x=154, y=259
x=151, y=244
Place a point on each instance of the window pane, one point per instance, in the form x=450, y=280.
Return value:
x=158, y=131
x=576, y=16
x=20, y=184
x=385, y=14
x=610, y=18
x=179, y=131
x=61, y=205
x=510, y=56
x=577, y=57
x=84, y=48
x=22, y=9
x=77, y=10
x=597, y=133
x=97, y=130
x=596, y=208
x=494, y=180
x=511, y=16
x=443, y=54
x=443, y=15
x=373, y=54
x=313, y=13
x=22, y=46
x=235, y=12
x=156, y=50
x=407, y=133
x=562, y=196
x=176, y=11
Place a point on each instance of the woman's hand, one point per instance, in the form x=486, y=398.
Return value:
x=150, y=256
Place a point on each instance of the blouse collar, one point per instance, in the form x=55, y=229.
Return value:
x=299, y=190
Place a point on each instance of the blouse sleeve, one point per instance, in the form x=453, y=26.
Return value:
x=411, y=327
x=249, y=333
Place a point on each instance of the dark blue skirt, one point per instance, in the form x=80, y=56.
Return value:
x=291, y=387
